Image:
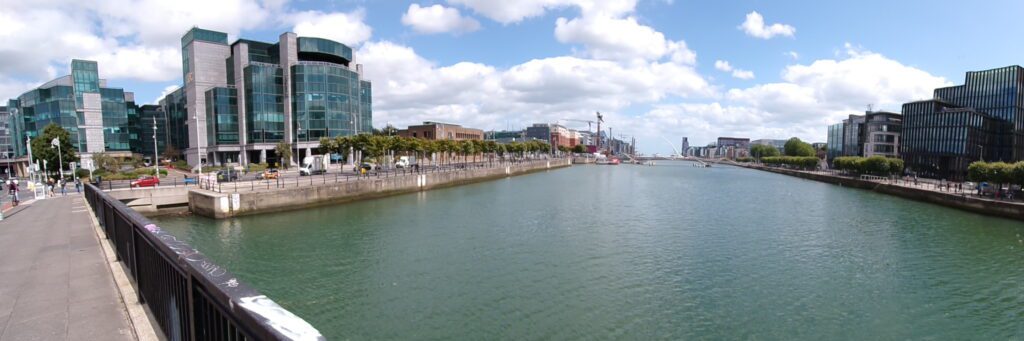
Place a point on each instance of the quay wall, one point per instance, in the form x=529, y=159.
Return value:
x=225, y=205
x=1004, y=209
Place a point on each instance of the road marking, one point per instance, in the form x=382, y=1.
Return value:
x=80, y=211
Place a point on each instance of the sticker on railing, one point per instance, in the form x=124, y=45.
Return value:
x=286, y=323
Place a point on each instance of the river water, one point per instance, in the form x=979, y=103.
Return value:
x=632, y=252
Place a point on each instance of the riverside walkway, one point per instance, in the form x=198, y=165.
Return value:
x=55, y=281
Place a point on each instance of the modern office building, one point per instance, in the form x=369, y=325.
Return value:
x=151, y=142
x=539, y=131
x=96, y=116
x=441, y=131
x=243, y=98
x=836, y=135
x=505, y=136
x=685, y=147
x=983, y=119
x=736, y=142
x=941, y=139
x=874, y=133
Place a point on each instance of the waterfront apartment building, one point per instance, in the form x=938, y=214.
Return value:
x=239, y=100
x=95, y=116
x=736, y=142
x=983, y=119
x=871, y=134
x=684, y=151
x=441, y=131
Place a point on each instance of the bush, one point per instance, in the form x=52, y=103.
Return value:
x=744, y=159
x=802, y=162
x=875, y=165
x=181, y=164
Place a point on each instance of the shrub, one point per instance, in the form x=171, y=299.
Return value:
x=802, y=162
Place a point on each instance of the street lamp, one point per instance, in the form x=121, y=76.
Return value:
x=298, y=131
x=156, y=158
x=981, y=153
x=60, y=158
x=199, y=154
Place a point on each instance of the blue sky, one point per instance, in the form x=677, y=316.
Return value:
x=659, y=69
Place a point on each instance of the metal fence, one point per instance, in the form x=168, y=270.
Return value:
x=189, y=296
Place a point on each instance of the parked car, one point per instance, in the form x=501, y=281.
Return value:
x=227, y=175
x=270, y=173
x=368, y=166
x=145, y=181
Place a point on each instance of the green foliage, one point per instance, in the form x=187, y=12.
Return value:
x=875, y=165
x=180, y=164
x=579, y=149
x=42, y=150
x=802, y=162
x=996, y=172
x=284, y=151
x=763, y=150
x=82, y=173
x=744, y=159
x=796, y=147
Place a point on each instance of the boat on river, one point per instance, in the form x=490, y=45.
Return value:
x=609, y=162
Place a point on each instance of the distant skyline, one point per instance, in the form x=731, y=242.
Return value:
x=658, y=69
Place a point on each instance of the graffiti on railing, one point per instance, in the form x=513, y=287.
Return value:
x=280, y=319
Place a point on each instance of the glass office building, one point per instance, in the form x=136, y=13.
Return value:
x=96, y=117
x=941, y=139
x=835, y=141
x=245, y=97
x=983, y=119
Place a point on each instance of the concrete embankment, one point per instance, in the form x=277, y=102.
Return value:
x=224, y=205
x=955, y=200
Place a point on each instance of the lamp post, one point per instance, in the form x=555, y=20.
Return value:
x=156, y=158
x=298, y=131
x=199, y=153
x=981, y=153
x=60, y=158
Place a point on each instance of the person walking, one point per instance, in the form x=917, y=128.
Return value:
x=63, y=187
x=78, y=185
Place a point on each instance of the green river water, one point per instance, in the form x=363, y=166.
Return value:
x=632, y=252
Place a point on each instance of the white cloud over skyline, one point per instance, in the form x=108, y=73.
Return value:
x=754, y=26
x=438, y=19
x=650, y=85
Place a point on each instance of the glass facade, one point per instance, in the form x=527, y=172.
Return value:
x=327, y=101
x=941, y=139
x=222, y=116
x=36, y=109
x=264, y=109
x=85, y=75
x=115, y=120
x=173, y=106
x=147, y=114
x=317, y=49
x=835, y=141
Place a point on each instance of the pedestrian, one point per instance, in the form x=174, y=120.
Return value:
x=78, y=185
x=49, y=186
x=63, y=189
x=13, y=189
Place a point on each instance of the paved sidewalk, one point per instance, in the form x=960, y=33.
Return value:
x=55, y=283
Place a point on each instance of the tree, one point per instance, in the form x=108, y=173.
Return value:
x=579, y=149
x=796, y=147
x=284, y=152
x=763, y=150
x=43, y=150
x=171, y=153
x=106, y=162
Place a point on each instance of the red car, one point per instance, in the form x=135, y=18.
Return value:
x=146, y=181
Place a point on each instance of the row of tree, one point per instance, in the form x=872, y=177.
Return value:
x=802, y=162
x=376, y=147
x=875, y=165
x=996, y=172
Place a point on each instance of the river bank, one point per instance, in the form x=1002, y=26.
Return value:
x=218, y=205
x=962, y=201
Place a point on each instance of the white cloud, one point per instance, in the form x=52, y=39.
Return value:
x=438, y=19
x=166, y=91
x=408, y=88
x=792, y=54
x=346, y=28
x=724, y=66
x=621, y=39
x=509, y=12
x=754, y=26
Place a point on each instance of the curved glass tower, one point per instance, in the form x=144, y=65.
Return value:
x=245, y=97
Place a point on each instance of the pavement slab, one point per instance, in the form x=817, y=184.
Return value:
x=54, y=280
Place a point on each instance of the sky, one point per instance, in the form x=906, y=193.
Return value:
x=658, y=70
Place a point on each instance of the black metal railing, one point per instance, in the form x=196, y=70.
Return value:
x=189, y=296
